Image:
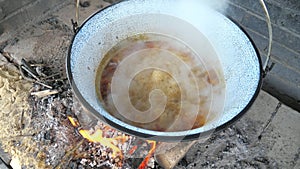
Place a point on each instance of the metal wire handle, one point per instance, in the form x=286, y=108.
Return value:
x=77, y=11
x=266, y=66
x=76, y=22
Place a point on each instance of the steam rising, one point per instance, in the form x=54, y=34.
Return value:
x=188, y=6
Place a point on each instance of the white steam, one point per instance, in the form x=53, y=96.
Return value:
x=192, y=6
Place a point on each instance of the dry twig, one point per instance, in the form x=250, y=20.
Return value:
x=44, y=93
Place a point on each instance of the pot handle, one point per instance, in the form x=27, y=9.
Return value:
x=75, y=23
x=267, y=67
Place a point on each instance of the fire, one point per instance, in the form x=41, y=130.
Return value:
x=74, y=122
x=97, y=137
x=143, y=165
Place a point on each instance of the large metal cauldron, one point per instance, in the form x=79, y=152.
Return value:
x=241, y=64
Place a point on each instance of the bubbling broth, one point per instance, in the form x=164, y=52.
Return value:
x=184, y=107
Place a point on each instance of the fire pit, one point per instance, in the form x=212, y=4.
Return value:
x=47, y=132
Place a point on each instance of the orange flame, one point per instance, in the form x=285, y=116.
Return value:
x=144, y=164
x=97, y=137
x=74, y=122
x=132, y=150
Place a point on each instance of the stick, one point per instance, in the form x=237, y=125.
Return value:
x=22, y=121
x=48, y=77
x=17, y=136
x=47, y=86
x=44, y=93
x=29, y=72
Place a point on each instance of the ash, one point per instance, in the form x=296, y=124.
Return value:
x=51, y=140
x=49, y=118
x=51, y=114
